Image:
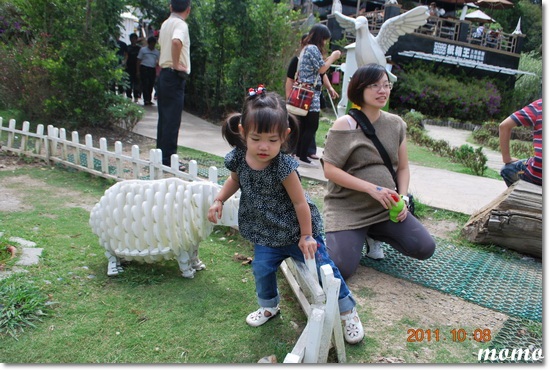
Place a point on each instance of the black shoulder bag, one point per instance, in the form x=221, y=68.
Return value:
x=369, y=131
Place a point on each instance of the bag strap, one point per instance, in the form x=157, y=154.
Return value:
x=298, y=68
x=298, y=65
x=369, y=131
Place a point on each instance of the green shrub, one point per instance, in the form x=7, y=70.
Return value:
x=413, y=119
x=473, y=159
x=482, y=136
x=237, y=45
x=58, y=70
x=520, y=149
x=123, y=112
x=449, y=96
x=520, y=146
x=528, y=88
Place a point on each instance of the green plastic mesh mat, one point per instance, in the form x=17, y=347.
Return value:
x=516, y=334
x=507, y=285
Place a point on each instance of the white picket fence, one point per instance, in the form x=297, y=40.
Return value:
x=320, y=303
x=54, y=147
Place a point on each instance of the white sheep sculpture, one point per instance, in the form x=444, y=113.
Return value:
x=153, y=220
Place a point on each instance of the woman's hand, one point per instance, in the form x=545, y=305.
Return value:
x=336, y=54
x=333, y=94
x=308, y=246
x=403, y=214
x=385, y=196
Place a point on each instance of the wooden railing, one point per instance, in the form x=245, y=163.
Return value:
x=449, y=29
x=320, y=304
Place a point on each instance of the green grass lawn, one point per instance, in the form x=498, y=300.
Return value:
x=149, y=313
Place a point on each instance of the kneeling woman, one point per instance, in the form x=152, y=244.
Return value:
x=361, y=187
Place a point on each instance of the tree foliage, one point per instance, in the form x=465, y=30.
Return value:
x=65, y=62
x=446, y=93
x=58, y=59
x=236, y=45
x=529, y=14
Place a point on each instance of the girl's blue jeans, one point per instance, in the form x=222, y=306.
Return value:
x=267, y=261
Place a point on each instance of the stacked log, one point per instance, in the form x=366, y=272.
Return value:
x=513, y=220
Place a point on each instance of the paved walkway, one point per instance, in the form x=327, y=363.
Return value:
x=457, y=137
x=434, y=187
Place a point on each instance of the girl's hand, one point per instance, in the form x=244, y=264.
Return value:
x=308, y=246
x=384, y=196
x=333, y=93
x=215, y=211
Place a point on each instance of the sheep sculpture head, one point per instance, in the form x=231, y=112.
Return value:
x=154, y=220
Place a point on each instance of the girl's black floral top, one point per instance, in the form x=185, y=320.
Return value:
x=266, y=214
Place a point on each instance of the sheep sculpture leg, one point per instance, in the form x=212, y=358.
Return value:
x=189, y=264
x=114, y=267
x=151, y=221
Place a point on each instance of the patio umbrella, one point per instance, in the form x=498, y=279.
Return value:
x=495, y=4
x=465, y=9
x=479, y=16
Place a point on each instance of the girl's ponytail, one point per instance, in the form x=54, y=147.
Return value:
x=230, y=131
x=292, y=140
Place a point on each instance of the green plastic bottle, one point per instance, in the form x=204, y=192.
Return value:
x=395, y=210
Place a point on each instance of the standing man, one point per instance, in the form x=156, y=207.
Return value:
x=148, y=60
x=132, y=69
x=175, y=66
x=529, y=169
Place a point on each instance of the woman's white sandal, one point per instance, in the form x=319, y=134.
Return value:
x=261, y=316
x=353, y=328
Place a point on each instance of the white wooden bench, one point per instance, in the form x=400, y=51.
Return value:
x=320, y=304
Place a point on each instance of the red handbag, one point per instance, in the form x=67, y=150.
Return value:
x=300, y=98
x=301, y=95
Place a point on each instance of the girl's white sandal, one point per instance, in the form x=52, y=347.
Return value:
x=261, y=316
x=353, y=328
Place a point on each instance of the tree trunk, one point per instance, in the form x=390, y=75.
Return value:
x=513, y=220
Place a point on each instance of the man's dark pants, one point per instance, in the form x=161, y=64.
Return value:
x=170, y=96
x=148, y=76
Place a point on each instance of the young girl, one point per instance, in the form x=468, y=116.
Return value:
x=275, y=213
x=360, y=186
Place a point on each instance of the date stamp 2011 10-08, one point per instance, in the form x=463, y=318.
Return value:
x=417, y=335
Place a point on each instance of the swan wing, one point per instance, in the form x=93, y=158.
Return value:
x=401, y=25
